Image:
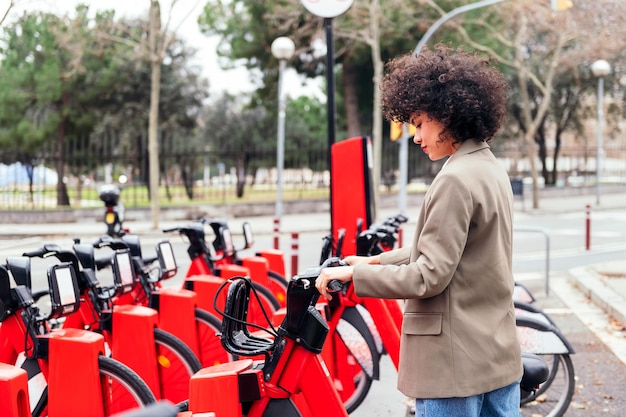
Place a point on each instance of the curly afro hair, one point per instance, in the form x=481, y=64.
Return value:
x=457, y=88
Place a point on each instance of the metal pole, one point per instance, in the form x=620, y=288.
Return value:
x=443, y=19
x=280, y=149
x=295, y=242
x=587, y=227
x=403, y=157
x=330, y=105
x=599, y=150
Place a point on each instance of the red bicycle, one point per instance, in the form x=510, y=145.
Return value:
x=293, y=377
x=164, y=362
x=267, y=266
x=182, y=311
x=68, y=371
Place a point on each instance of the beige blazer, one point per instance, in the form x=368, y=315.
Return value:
x=458, y=336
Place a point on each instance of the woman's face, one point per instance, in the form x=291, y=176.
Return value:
x=427, y=135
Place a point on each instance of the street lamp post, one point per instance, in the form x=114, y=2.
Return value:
x=282, y=49
x=329, y=10
x=600, y=69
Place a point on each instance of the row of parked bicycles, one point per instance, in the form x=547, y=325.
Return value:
x=108, y=336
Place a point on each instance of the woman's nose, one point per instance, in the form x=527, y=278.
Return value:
x=417, y=140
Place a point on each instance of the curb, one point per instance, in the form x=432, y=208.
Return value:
x=596, y=290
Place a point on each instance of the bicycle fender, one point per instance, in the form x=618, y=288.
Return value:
x=541, y=338
x=523, y=309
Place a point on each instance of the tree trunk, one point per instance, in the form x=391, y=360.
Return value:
x=557, y=148
x=63, y=200
x=351, y=100
x=155, y=86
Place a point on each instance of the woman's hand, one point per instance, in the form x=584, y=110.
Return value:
x=339, y=273
x=355, y=260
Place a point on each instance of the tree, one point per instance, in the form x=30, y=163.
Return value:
x=74, y=82
x=247, y=28
x=538, y=48
x=43, y=79
x=232, y=130
x=154, y=49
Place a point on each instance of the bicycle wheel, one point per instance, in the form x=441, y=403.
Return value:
x=269, y=305
x=211, y=351
x=122, y=388
x=356, y=359
x=555, y=395
x=278, y=286
x=176, y=364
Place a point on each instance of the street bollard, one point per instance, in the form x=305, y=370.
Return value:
x=588, y=227
x=294, y=253
x=400, y=237
x=276, y=233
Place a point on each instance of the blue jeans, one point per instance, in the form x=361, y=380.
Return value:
x=503, y=402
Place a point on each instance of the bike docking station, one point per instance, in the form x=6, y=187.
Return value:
x=351, y=169
x=132, y=342
x=13, y=391
x=129, y=328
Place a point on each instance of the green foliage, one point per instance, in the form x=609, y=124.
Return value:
x=64, y=79
x=233, y=131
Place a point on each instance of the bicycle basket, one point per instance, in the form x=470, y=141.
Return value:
x=236, y=337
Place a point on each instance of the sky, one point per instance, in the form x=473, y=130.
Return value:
x=185, y=14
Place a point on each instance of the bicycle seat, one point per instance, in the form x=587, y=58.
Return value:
x=236, y=337
x=535, y=372
x=20, y=269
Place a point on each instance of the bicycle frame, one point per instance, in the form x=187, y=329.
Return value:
x=67, y=359
x=294, y=377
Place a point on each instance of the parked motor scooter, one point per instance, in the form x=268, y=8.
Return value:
x=114, y=214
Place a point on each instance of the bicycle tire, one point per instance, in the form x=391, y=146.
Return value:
x=122, y=389
x=176, y=364
x=278, y=278
x=278, y=285
x=116, y=376
x=554, y=396
x=350, y=370
x=211, y=351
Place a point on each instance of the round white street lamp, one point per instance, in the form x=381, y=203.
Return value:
x=600, y=69
x=282, y=49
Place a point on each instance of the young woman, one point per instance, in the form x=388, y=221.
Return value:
x=459, y=353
